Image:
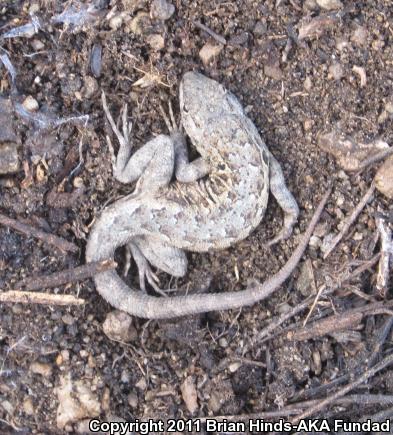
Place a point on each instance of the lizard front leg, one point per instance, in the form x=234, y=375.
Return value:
x=185, y=171
x=152, y=165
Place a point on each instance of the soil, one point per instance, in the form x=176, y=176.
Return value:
x=293, y=89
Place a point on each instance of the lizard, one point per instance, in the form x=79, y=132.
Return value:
x=207, y=204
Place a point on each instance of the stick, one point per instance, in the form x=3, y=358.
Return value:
x=209, y=31
x=339, y=322
x=350, y=220
x=29, y=230
x=16, y=296
x=375, y=158
x=388, y=360
x=264, y=333
x=66, y=276
x=383, y=266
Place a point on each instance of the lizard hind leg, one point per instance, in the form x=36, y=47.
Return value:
x=285, y=200
x=147, y=250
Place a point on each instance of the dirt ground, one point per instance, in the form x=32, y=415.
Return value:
x=297, y=81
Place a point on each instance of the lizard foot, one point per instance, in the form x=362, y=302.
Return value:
x=170, y=121
x=123, y=137
x=144, y=270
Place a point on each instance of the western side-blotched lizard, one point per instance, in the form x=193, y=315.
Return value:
x=214, y=201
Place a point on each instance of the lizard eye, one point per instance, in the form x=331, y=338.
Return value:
x=185, y=110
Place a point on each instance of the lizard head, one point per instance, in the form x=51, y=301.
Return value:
x=203, y=100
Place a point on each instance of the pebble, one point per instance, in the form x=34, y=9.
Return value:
x=359, y=36
x=156, y=42
x=136, y=25
x=28, y=407
x=209, y=51
x=76, y=401
x=189, y=394
x=307, y=84
x=273, y=71
x=42, y=369
x=329, y=5
x=96, y=60
x=118, y=326
x=260, y=28
x=384, y=178
x=116, y=22
x=161, y=10
x=9, y=160
x=336, y=71
x=30, y=104
x=304, y=283
x=132, y=400
x=90, y=87
x=37, y=45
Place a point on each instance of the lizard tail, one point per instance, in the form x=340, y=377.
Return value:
x=112, y=288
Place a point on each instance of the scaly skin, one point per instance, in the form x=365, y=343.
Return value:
x=219, y=201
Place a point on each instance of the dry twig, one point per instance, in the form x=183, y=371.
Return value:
x=350, y=220
x=386, y=251
x=375, y=158
x=15, y=296
x=387, y=361
x=31, y=231
x=340, y=322
x=66, y=276
x=211, y=32
x=264, y=334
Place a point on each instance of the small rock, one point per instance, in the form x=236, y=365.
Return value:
x=389, y=107
x=118, y=326
x=384, y=178
x=304, y=283
x=239, y=40
x=315, y=242
x=30, y=103
x=359, y=36
x=336, y=71
x=90, y=87
x=341, y=43
x=361, y=72
x=96, y=60
x=260, y=28
x=141, y=384
x=138, y=23
x=307, y=84
x=156, y=42
x=28, y=407
x=68, y=319
x=37, y=45
x=357, y=236
x=209, y=51
x=189, y=394
x=76, y=401
x=317, y=26
x=307, y=124
x=234, y=367
x=273, y=71
x=310, y=5
x=116, y=22
x=42, y=369
x=348, y=153
x=223, y=342
x=161, y=10
x=9, y=160
x=329, y=5
x=132, y=400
